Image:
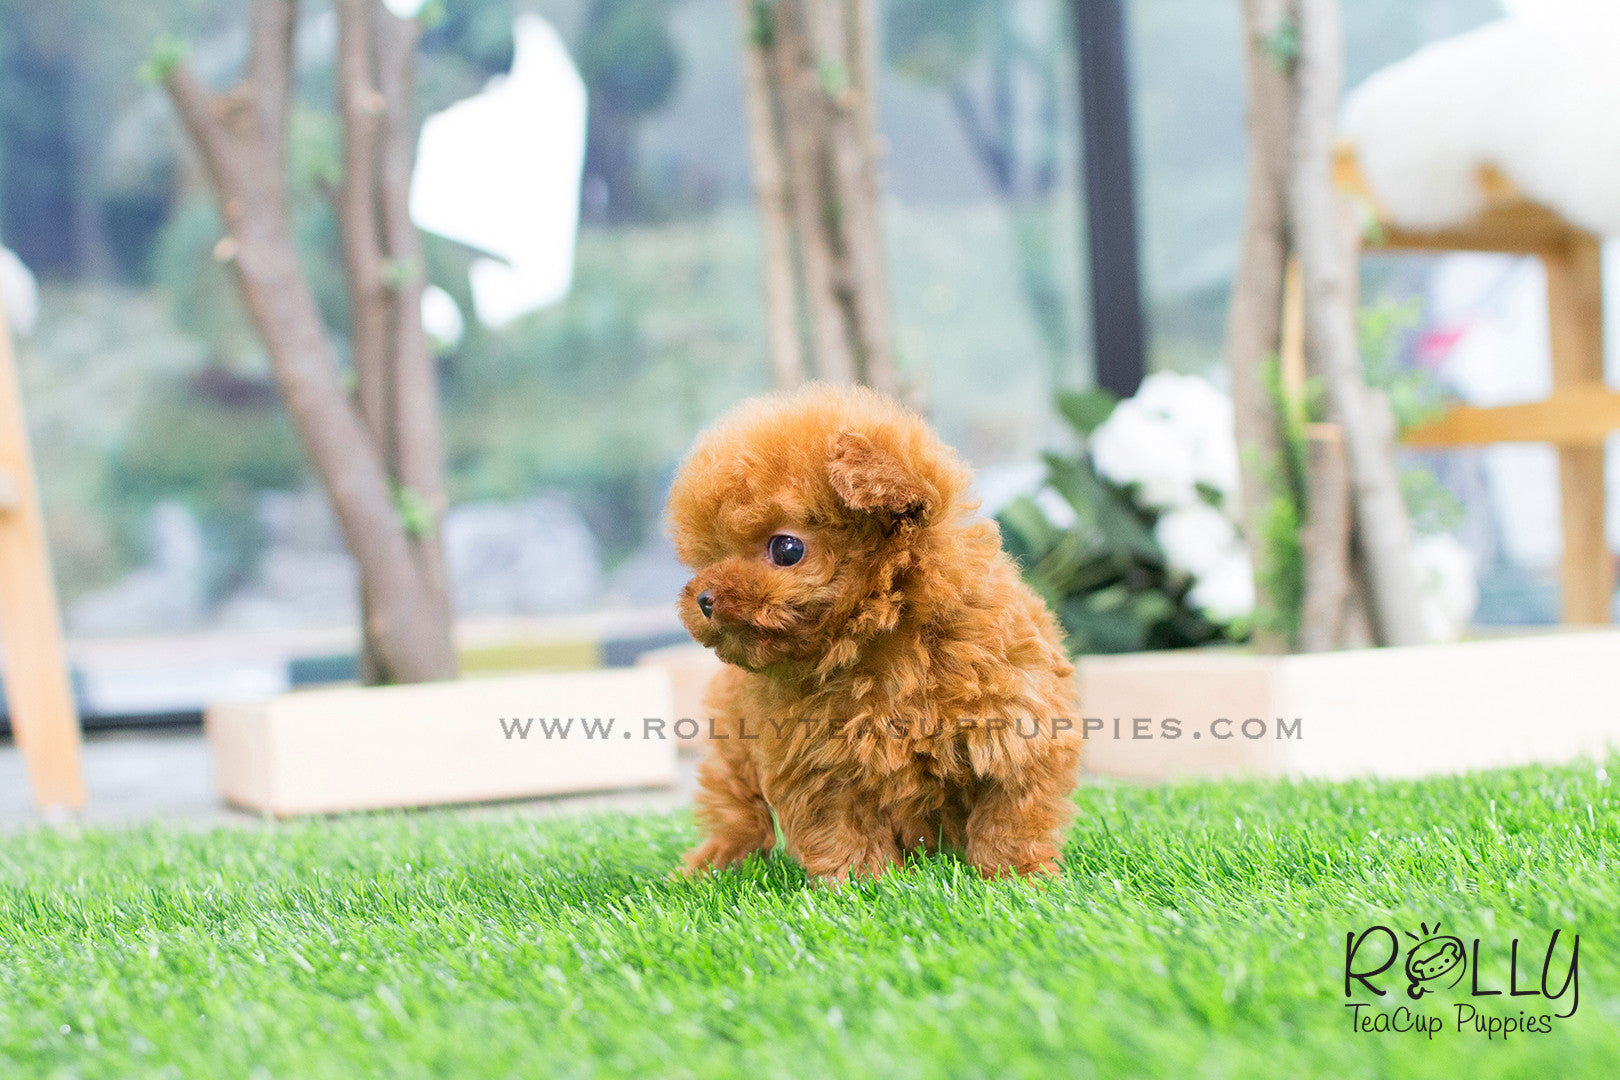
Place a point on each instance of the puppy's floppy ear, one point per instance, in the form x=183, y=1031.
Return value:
x=868, y=478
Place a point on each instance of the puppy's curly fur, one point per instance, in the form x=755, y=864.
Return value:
x=898, y=685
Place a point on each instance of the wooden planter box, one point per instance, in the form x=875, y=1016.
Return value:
x=353, y=748
x=1402, y=712
x=690, y=668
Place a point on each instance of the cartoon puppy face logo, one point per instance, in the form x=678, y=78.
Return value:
x=1432, y=960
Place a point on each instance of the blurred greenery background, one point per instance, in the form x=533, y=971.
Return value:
x=145, y=383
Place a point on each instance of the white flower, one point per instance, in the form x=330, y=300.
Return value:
x=1195, y=539
x=1448, y=593
x=1136, y=447
x=1215, y=458
x=1174, y=435
x=441, y=318
x=1184, y=398
x=1227, y=591
x=1202, y=417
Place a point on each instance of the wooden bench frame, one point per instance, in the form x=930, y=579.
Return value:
x=44, y=721
x=1582, y=409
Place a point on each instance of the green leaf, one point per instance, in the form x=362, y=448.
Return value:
x=1111, y=631
x=1074, y=481
x=1102, y=509
x=1371, y=226
x=1023, y=522
x=433, y=14
x=415, y=512
x=1282, y=44
x=1086, y=410
x=762, y=24
x=1431, y=505
x=167, y=54
x=832, y=76
x=397, y=273
x=1105, y=505
x=1148, y=608
x=1075, y=566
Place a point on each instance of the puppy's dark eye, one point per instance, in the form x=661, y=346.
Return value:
x=785, y=550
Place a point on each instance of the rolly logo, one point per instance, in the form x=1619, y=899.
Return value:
x=1432, y=959
x=1436, y=962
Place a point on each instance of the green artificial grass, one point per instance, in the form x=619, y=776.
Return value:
x=1199, y=931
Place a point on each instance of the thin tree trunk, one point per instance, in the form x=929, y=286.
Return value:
x=1356, y=629
x=1325, y=537
x=361, y=106
x=857, y=159
x=1316, y=219
x=272, y=25
x=803, y=138
x=778, y=278
x=812, y=110
x=241, y=137
x=418, y=461
x=1254, y=321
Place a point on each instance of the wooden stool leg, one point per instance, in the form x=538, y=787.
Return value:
x=1575, y=316
x=1587, y=573
x=43, y=718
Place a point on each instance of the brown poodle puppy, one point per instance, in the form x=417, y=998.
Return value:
x=890, y=681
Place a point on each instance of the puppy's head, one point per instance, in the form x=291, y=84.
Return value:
x=804, y=518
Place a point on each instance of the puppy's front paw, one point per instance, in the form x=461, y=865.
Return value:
x=866, y=864
x=1035, y=871
x=710, y=856
x=1038, y=860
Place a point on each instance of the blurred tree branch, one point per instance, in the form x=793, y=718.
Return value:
x=811, y=71
x=1327, y=246
x=1254, y=317
x=375, y=459
x=1353, y=525
x=777, y=275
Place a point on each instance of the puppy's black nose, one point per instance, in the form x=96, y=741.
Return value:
x=705, y=602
